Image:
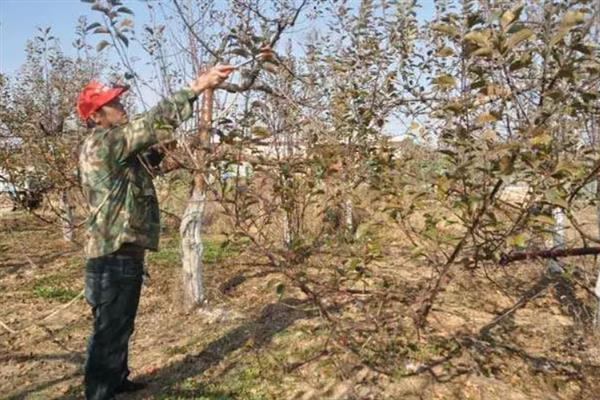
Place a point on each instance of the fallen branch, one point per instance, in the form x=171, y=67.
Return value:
x=58, y=309
x=2, y=324
x=52, y=313
x=555, y=253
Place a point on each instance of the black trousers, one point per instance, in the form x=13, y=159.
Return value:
x=112, y=288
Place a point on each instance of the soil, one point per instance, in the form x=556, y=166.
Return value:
x=251, y=342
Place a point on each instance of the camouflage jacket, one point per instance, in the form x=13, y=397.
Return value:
x=117, y=185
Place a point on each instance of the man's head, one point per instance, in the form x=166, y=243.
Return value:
x=99, y=105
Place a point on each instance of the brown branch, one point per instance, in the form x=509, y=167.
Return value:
x=425, y=305
x=235, y=88
x=554, y=253
x=594, y=172
x=193, y=32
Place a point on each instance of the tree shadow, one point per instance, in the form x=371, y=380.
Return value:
x=484, y=343
x=570, y=304
x=272, y=319
x=534, y=291
x=564, y=294
x=25, y=392
x=76, y=358
x=582, y=371
x=12, y=267
x=72, y=357
x=237, y=280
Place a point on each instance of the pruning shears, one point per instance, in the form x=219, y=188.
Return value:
x=265, y=53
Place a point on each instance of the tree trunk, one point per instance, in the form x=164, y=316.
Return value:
x=191, y=249
x=191, y=223
x=597, y=289
x=595, y=137
x=287, y=230
x=67, y=216
x=348, y=209
x=558, y=239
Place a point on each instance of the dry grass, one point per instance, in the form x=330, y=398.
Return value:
x=251, y=344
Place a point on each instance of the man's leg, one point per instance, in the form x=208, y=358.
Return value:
x=113, y=285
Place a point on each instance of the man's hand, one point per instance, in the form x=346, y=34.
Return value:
x=211, y=78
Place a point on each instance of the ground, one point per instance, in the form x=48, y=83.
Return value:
x=252, y=342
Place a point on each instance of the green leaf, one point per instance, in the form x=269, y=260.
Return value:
x=565, y=169
x=580, y=47
x=478, y=38
x=522, y=62
x=486, y=117
x=455, y=106
x=448, y=152
x=483, y=52
x=506, y=165
x=557, y=37
x=445, y=28
x=92, y=26
x=280, y=289
x=260, y=131
x=101, y=8
x=553, y=196
x=489, y=135
x=124, y=10
x=238, y=51
x=507, y=18
x=572, y=18
x=474, y=19
x=126, y=22
x=101, y=29
x=270, y=67
x=544, y=219
x=123, y=39
x=101, y=45
x=518, y=240
x=517, y=38
x=445, y=81
x=589, y=96
x=541, y=139
x=478, y=84
x=444, y=52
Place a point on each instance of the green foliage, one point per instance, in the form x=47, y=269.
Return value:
x=54, y=288
x=216, y=249
x=240, y=383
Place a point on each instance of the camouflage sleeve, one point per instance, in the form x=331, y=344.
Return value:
x=155, y=125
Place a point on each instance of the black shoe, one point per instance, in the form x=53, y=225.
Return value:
x=130, y=386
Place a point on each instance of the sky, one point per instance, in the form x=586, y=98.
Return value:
x=19, y=20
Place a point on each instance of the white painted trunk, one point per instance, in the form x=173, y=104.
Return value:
x=67, y=217
x=191, y=250
x=597, y=289
x=558, y=238
x=287, y=230
x=348, y=208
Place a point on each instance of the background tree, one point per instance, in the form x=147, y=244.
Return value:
x=40, y=131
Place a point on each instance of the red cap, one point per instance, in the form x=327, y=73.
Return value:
x=94, y=95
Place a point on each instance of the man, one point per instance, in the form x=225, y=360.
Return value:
x=124, y=217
